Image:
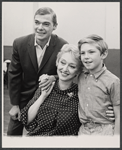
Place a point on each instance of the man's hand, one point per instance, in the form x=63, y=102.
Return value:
x=45, y=93
x=110, y=113
x=45, y=81
x=15, y=112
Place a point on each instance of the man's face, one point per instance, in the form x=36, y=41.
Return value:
x=43, y=26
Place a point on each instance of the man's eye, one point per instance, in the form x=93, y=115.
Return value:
x=37, y=23
x=46, y=24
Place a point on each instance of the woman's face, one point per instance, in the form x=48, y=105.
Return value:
x=67, y=67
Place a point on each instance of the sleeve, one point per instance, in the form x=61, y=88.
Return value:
x=24, y=112
x=115, y=92
x=15, y=76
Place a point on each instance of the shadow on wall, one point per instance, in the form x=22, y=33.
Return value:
x=112, y=62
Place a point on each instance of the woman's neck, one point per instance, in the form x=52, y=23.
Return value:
x=64, y=85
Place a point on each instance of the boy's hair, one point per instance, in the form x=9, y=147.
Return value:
x=96, y=40
x=45, y=11
x=73, y=50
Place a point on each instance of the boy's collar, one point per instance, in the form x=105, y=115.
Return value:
x=96, y=75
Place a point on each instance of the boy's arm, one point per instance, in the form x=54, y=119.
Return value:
x=117, y=120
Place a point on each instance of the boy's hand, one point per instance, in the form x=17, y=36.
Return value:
x=110, y=113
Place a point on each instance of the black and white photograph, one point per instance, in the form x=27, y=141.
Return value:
x=60, y=74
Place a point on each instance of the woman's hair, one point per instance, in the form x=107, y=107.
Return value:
x=45, y=11
x=73, y=50
x=96, y=40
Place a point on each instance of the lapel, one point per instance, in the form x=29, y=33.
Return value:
x=32, y=52
x=49, y=51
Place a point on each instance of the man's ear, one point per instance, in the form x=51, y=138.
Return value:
x=54, y=27
x=105, y=54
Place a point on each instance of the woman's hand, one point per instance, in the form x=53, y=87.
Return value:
x=110, y=113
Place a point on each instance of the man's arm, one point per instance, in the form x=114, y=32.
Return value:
x=15, y=77
x=14, y=83
x=46, y=81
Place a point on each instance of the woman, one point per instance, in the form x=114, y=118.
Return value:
x=55, y=111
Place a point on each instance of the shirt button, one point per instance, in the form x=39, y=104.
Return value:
x=88, y=88
x=87, y=105
x=91, y=75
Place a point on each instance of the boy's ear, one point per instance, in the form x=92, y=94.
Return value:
x=105, y=54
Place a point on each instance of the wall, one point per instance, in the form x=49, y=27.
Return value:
x=75, y=20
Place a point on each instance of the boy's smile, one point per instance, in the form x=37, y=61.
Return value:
x=91, y=57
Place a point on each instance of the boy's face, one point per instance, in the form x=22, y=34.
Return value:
x=91, y=57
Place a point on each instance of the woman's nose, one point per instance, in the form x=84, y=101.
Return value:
x=65, y=68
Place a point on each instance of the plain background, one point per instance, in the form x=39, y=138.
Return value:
x=75, y=20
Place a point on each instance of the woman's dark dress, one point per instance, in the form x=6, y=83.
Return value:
x=58, y=114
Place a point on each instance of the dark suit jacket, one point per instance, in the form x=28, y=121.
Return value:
x=23, y=71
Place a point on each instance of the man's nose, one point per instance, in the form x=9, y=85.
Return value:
x=40, y=26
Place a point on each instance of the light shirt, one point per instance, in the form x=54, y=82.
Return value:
x=96, y=93
x=40, y=52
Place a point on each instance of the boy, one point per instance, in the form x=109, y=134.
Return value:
x=98, y=88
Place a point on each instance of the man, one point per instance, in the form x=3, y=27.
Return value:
x=33, y=56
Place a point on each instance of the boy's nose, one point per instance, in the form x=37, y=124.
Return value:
x=86, y=55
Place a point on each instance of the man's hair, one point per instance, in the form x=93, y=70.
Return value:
x=45, y=11
x=73, y=50
x=96, y=40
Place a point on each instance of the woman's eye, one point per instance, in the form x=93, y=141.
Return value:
x=73, y=67
x=62, y=62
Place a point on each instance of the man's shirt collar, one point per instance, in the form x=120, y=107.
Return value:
x=47, y=44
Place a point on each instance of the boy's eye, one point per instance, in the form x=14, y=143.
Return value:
x=81, y=53
x=91, y=51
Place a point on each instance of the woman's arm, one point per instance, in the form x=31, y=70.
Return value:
x=32, y=112
x=117, y=120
